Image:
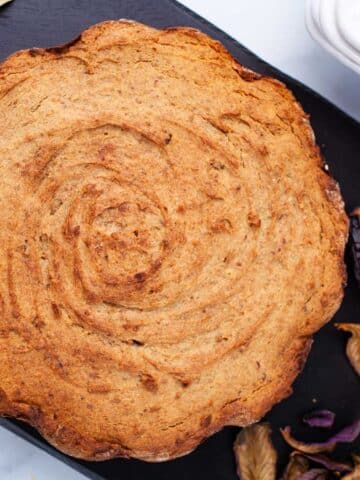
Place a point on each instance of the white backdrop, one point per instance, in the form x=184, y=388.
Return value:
x=275, y=30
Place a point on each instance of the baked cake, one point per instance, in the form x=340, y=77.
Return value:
x=169, y=238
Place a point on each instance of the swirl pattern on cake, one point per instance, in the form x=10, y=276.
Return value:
x=169, y=241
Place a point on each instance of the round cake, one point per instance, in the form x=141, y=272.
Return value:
x=169, y=238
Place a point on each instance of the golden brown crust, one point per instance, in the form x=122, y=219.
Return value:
x=169, y=241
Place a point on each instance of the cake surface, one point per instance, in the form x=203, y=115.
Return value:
x=169, y=241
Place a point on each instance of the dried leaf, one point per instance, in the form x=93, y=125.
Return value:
x=354, y=241
x=314, y=474
x=327, y=462
x=320, y=418
x=346, y=435
x=354, y=475
x=2, y=2
x=255, y=454
x=297, y=466
x=353, y=345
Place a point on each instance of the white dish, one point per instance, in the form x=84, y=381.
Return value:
x=348, y=20
x=329, y=27
x=318, y=36
x=315, y=8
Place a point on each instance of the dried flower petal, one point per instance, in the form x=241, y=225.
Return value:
x=327, y=462
x=354, y=475
x=296, y=467
x=2, y=2
x=353, y=345
x=354, y=240
x=320, y=418
x=255, y=454
x=314, y=474
x=346, y=435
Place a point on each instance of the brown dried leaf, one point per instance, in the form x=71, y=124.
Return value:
x=354, y=475
x=353, y=345
x=304, y=447
x=327, y=462
x=2, y=2
x=314, y=474
x=297, y=466
x=255, y=454
x=346, y=435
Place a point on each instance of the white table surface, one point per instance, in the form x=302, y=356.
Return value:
x=275, y=31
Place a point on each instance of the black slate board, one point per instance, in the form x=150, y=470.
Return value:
x=328, y=380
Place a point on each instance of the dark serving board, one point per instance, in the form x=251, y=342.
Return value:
x=327, y=381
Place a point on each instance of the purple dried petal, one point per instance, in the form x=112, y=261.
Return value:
x=354, y=240
x=320, y=418
x=346, y=435
x=313, y=474
x=329, y=463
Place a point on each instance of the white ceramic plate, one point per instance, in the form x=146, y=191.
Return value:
x=329, y=27
x=348, y=20
x=315, y=9
x=316, y=33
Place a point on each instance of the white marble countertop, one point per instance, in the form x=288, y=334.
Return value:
x=274, y=30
